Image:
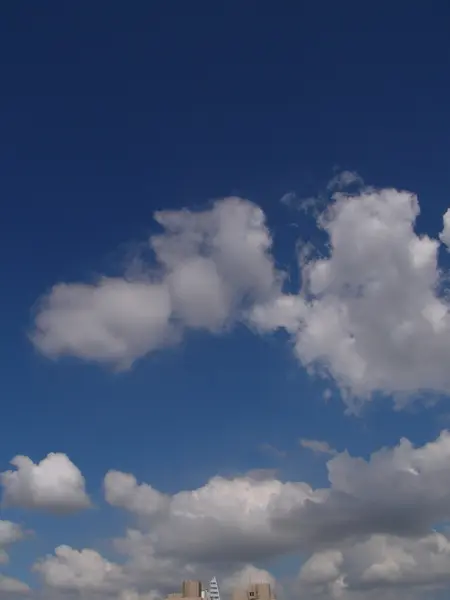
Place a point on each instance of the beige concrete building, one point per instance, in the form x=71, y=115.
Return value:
x=254, y=591
x=190, y=590
x=193, y=590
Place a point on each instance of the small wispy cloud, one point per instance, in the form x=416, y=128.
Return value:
x=318, y=447
x=272, y=451
x=310, y=204
x=327, y=394
x=262, y=474
x=289, y=199
x=343, y=180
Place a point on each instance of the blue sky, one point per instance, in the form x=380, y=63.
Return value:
x=110, y=113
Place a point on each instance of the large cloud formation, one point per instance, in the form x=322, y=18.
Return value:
x=55, y=485
x=401, y=491
x=9, y=587
x=370, y=531
x=379, y=564
x=9, y=534
x=70, y=570
x=209, y=265
x=370, y=313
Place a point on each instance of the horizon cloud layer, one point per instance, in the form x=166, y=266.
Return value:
x=356, y=534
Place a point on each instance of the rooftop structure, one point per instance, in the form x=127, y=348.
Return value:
x=254, y=591
x=193, y=590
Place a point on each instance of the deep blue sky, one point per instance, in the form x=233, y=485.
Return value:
x=111, y=110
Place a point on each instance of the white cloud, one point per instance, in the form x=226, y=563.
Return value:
x=283, y=311
x=343, y=180
x=394, y=498
x=152, y=570
x=9, y=534
x=132, y=594
x=236, y=511
x=55, y=484
x=289, y=199
x=9, y=585
x=272, y=451
x=113, y=321
x=322, y=568
x=382, y=561
x=444, y=236
x=143, y=576
x=401, y=491
x=369, y=315
x=84, y=570
x=122, y=490
x=371, y=528
x=87, y=573
x=318, y=447
x=247, y=574
x=209, y=266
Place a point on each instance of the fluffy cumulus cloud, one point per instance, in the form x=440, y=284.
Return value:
x=379, y=563
x=402, y=491
x=9, y=534
x=370, y=530
x=85, y=570
x=143, y=576
x=122, y=490
x=11, y=587
x=248, y=573
x=236, y=511
x=208, y=267
x=370, y=313
x=55, y=484
x=85, y=573
x=399, y=494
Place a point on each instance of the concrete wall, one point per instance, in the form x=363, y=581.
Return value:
x=191, y=589
x=254, y=591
